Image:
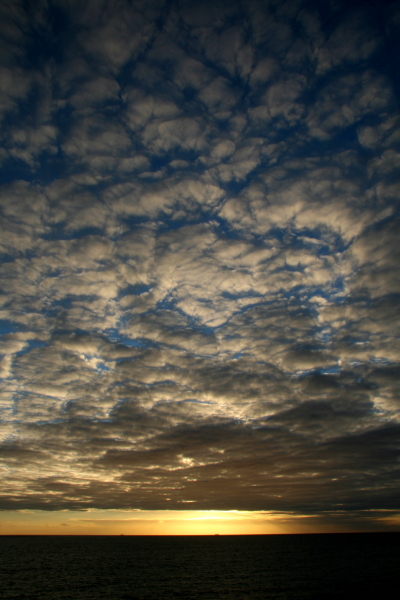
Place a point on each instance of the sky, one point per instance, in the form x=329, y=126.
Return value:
x=199, y=308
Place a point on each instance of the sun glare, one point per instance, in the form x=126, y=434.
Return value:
x=97, y=522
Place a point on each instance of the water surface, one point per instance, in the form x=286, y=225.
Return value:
x=287, y=567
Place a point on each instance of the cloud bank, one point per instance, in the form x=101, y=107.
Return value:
x=200, y=260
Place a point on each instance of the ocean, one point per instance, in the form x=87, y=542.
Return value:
x=281, y=567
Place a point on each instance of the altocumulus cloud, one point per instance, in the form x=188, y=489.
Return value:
x=200, y=276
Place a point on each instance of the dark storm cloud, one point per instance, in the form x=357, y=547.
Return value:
x=199, y=288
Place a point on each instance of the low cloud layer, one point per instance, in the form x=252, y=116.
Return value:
x=200, y=276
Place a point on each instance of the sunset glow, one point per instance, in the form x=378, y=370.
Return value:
x=97, y=522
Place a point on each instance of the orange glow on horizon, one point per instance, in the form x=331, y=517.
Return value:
x=113, y=522
x=136, y=523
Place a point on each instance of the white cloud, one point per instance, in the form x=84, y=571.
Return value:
x=200, y=274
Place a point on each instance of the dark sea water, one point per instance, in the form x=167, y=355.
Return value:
x=200, y=568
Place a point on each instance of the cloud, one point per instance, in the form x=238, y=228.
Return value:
x=353, y=40
x=199, y=279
